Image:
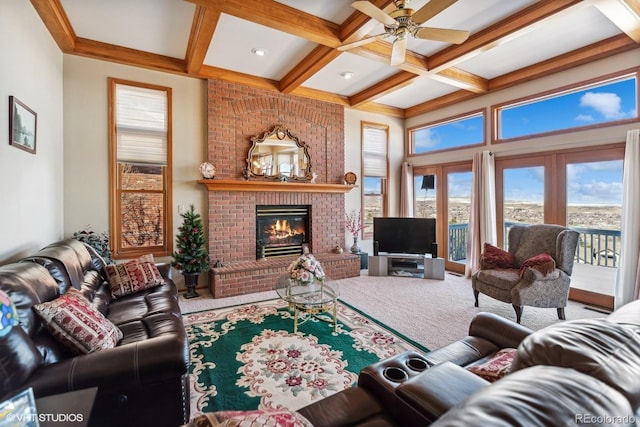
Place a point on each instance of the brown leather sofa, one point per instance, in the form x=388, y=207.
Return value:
x=581, y=372
x=142, y=381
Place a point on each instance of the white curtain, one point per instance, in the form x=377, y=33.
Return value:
x=627, y=278
x=406, y=190
x=482, y=220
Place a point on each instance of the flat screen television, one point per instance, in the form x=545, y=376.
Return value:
x=395, y=235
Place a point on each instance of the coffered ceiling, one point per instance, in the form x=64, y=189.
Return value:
x=511, y=41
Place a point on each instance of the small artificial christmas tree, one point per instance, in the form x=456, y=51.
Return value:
x=192, y=256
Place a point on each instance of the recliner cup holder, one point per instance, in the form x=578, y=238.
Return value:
x=394, y=374
x=417, y=364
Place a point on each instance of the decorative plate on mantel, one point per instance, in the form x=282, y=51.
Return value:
x=350, y=178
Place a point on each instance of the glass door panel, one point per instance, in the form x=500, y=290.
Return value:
x=458, y=214
x=425, y=193
x=594, y=209
x=523, y=200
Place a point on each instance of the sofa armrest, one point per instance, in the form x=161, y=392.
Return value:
x=165, y=269
x=504, y=333
x=350, y=407
x=439, y=389
x=124, y=367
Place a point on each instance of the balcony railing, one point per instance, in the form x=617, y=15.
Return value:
x=596, y=246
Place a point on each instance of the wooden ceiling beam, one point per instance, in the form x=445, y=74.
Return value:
x=205, y=20
x=127, y=56
x=595, y=51
x=384, y=87
x=625, y=14
x=603, y=49
x=462, y=79
x=208, y=72
x=215, y=73
x=311, y=64
x=276, y=15
x=509, y=28
x=55, y=19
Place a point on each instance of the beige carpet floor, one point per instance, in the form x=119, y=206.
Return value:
x=431, y=312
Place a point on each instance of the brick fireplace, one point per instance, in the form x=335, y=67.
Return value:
x=235, y=114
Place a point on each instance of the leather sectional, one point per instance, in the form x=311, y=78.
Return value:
x=142, y=381
x=580, y=372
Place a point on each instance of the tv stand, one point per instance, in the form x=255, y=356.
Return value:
x=406, y=265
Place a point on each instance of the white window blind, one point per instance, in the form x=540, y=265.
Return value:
x=374, y=151
x=141, y=125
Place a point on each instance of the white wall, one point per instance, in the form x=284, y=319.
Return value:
x=31, y=186
x=86, y=140
x=353, y=162
x=599, y=136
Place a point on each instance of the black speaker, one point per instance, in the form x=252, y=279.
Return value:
x=434, y=250
x=375, y=248
x=428, y=182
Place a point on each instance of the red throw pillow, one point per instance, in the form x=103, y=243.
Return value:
x=496, y=367
x=543, y=262
x=495, y=257
x=133, y=276
x=73, y=321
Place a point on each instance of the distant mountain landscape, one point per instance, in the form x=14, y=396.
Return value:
x=603, y=217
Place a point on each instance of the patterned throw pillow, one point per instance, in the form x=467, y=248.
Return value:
x=495, y=257
x=72, y=320
x=496, y=367
x=133, y=276
x=258, y=418
x=543, y=262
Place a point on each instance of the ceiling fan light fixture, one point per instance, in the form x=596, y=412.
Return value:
x=258, y=51
x=347, y=75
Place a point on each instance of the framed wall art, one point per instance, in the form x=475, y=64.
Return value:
x=22, y=126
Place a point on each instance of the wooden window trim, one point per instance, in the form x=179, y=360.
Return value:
x=409, y=149
x=114, y=179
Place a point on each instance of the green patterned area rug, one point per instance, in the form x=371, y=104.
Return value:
x=247, y=357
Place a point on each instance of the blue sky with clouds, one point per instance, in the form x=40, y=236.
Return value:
x=611, y=102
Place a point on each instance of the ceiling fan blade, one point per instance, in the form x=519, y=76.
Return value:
x=442, y=34
x=398, y=51
x=430, y=10
x=362, y=42
x=372, y=11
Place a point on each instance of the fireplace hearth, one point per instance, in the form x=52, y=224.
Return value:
x=281, y=230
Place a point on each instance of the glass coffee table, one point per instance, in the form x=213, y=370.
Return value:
x=308, y=301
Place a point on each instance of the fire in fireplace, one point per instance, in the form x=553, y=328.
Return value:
x=281, y=229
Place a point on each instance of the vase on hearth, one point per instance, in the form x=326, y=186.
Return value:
x=355, y=248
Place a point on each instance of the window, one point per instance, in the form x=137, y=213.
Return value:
x=140, y=168
x=456, y=132
x=610, y=100
x=375, y=165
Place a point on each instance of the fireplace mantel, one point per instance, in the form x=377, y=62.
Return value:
x=287, y=187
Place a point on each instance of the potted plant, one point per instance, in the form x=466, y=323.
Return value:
x=98, y=241
x=191, y=256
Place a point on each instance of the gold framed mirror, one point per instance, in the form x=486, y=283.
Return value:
x=278, y=154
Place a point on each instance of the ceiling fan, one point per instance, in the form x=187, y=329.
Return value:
x=403, y=22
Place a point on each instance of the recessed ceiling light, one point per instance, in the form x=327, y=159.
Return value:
x=259, y=51
x=347, y=74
